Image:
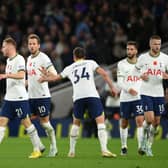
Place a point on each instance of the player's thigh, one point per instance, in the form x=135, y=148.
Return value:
x=22, y=109
x=95, y=107
x=40, y=107
x=125, y=110
x=26, y=122
x=159, y=105
x=149, y=116
x=148, y=103
x=7, y=109
x=79, y=108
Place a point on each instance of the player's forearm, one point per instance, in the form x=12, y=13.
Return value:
x=51, y=78
x=15, y=76
x=122, y=85
x=12, y=76
x=108, y=81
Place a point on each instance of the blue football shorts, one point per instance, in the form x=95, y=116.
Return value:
x=131, y=109
x=92, y=105
x=155, y=104
x=13, y=109
x=40, y=107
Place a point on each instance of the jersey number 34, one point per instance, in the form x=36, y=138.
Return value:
x=83, y=74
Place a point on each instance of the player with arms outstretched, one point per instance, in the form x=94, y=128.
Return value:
x=85, y=96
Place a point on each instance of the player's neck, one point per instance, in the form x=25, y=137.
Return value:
x=80, y=59
x=35, y=54
x=132, y=60
x=154, y=54
x=12, y=55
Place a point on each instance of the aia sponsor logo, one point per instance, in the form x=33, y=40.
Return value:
x=131, y=78
x=154, y=72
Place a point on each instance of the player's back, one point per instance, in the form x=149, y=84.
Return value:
x=81, y=74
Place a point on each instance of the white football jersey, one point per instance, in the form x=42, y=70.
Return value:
x=81, y=75
x=35, y=88
x=15, y=88
x=153, y=66
x=126, y=80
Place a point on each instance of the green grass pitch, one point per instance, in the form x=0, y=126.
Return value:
x=14, y=153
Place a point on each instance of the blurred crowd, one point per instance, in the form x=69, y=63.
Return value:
x=101, y=26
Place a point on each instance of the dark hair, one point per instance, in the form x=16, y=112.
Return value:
x=10, y=40
x=79, y=52
x=34, y=36
x=155, y=37
x=134, y=43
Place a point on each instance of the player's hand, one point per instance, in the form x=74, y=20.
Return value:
x=164, y=75
x=3, y=76
x=43, y=75
x=145, y=76
x=114, y=92
x=43, y=70
x=43, y=78
x=132, y=92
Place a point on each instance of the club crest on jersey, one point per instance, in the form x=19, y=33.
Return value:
x=154, y=62
x=31, y=72
x=131, y=78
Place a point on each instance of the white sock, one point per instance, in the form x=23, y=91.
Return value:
x=151, y=137
x=139, y=136
x=102, y=135
x=32, y=132
x=73, y=137
x=123, y=137
x=2, y=133
x=146, y=129
x=50, y=133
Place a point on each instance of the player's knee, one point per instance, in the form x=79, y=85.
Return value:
x=31, y=129
x=101, y=126
x=3, y=121
x=74, y=131
x=47, y=126
x=2, y=129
